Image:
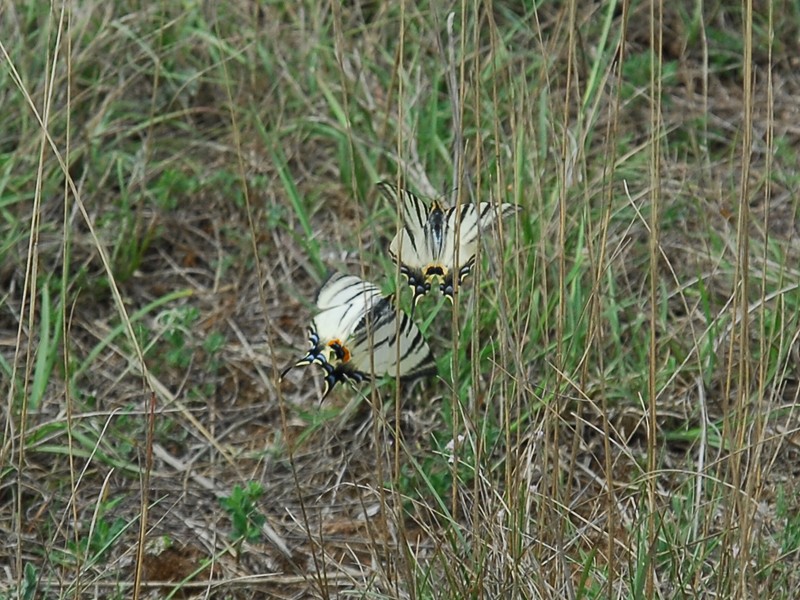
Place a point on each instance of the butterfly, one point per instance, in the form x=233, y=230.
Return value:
x=426, y=245
x=358, y=334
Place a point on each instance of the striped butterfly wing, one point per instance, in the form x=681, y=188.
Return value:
x=464, y=225
x=411, y=246
x=389, y=343
x=343, y=301
x=341, y=288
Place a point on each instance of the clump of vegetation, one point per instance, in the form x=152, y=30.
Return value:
x=242, y=507
x=615, y=407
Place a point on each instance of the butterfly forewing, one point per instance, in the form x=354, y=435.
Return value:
x=340, y=289
x=343, y=301
x=473, y=221
x=410, y=240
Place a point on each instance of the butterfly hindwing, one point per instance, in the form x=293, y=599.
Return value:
x=394, y=340
x=470, y=220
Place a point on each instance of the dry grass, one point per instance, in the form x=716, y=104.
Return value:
x=617, y=408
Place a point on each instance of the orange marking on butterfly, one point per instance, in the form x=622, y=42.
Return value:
x=339, y=348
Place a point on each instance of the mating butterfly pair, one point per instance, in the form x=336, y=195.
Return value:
x=358, y=332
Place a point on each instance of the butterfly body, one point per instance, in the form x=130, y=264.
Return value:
x=359, y=333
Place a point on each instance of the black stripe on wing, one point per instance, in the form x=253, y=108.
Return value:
x=422, y=362
x=340, y=288
x=413, y=356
